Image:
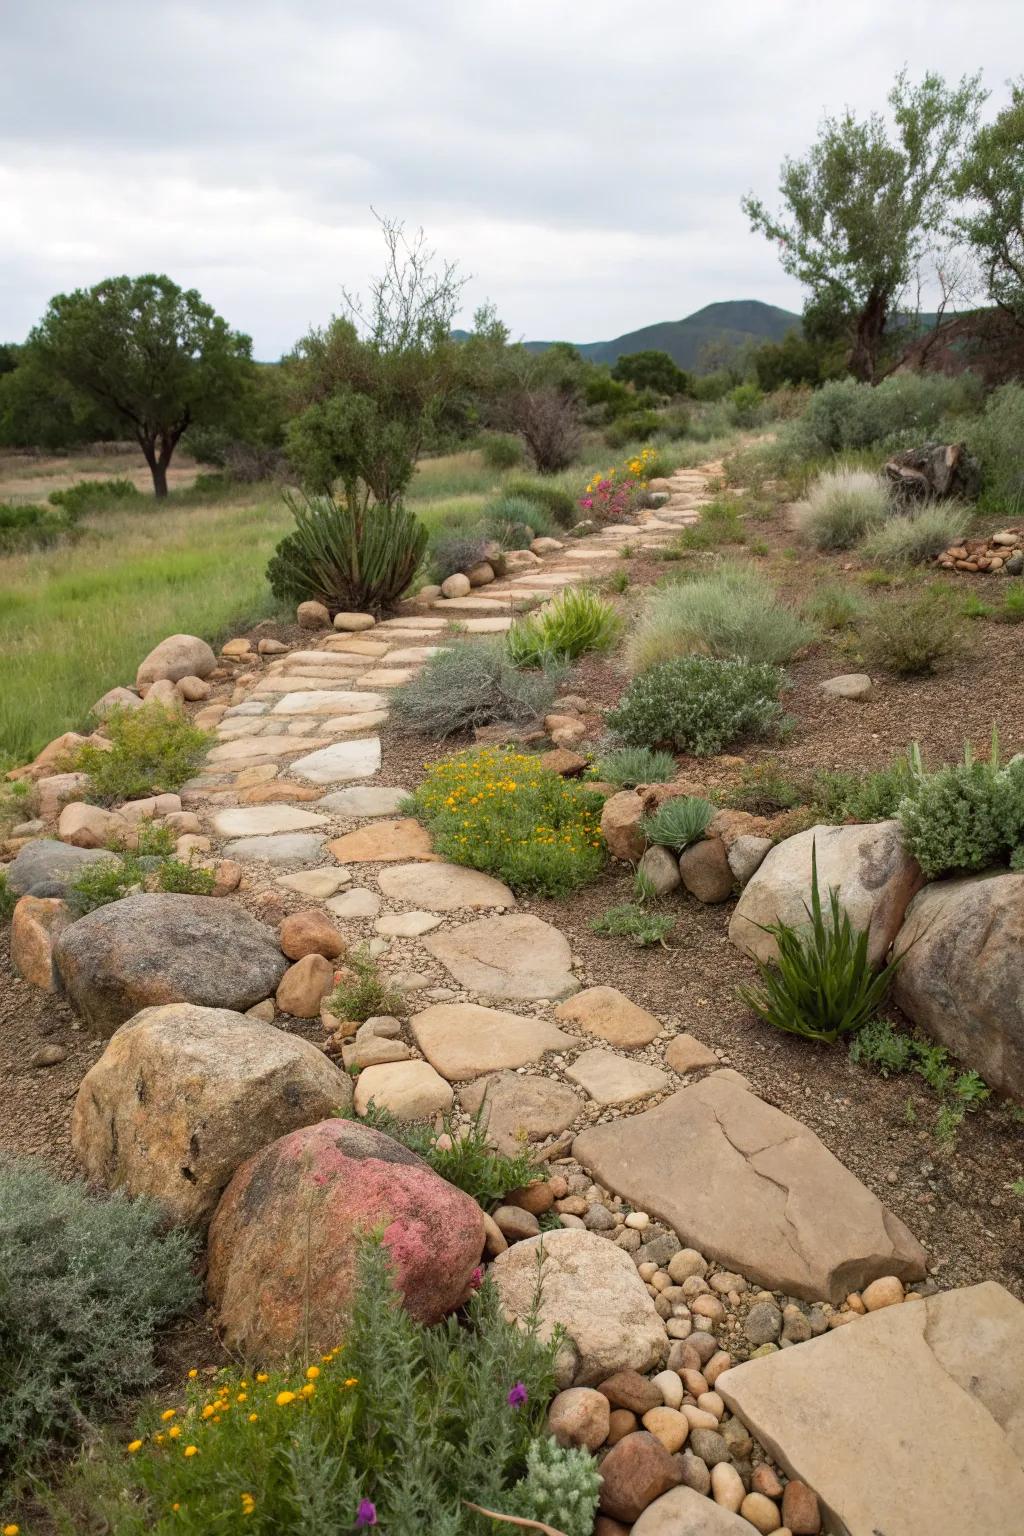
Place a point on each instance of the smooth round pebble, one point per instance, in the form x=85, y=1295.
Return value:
x=727, y=1486
x=685, y=1263
x=669, y=1426
x=762, y=1514
x=670, y=1386
x=709, y=1307
x=699, y=1418
x=886, y=1292
x=711, y=1403
x=715, y=1366
x=638, y=1220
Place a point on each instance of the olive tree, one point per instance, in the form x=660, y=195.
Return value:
x=992, y=179
x=153, y=357
x=861, y=207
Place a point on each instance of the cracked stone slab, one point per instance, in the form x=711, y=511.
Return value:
x=517, y=956
x=612, y=1079
x=327, y=701
x=339, y=762
x=256, y=820
x=444, y=887
x=927, y=1397
x=518, y=1105
x=753, y=1189
x=254, y=749
x=464, y=1040
x=364, y=800
x=279, y=848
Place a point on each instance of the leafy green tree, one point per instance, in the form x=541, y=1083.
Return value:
x=795, y=359
x=653, y=369
x=992, y=177
x=151, y=356
x=38, y=411
x=860, y=208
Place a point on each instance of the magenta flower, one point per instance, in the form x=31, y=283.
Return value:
x=366, y=1514
x=518, y=1395
x=476, y=1279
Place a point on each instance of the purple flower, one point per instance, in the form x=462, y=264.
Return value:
x=366, y=1514
x=518, y=1395
x=476, y=1279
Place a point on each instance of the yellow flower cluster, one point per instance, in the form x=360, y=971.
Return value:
x=636, y=468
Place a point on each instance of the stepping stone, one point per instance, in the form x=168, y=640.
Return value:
x=355, y=903
x=444, y=887
x=413, y=655
x=255, y=820
x=515, y=957
x=281, y=848
x=611, y=1079
x=245, y=709
x=382, y=678
x=341, y=761
x=605, y=1011
x=411, y=1090
x=327, y=701
x=406, y=925
x=686, y=1054
x=517, y=1105
x=348, y=725
x=422, y=625
x=927, y=1397
x=316, y=883
x=247, y=725
x=253, y=750
x=488, y=626
x=383, y=841
x=350, y=645
x=458, y=605
x=463, y=1040
x=753, y=1189
x=298, y=661
x=364, y=800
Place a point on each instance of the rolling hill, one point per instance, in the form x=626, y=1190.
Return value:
x=730, y=324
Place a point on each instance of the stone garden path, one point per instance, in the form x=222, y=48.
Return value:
x=297, y=791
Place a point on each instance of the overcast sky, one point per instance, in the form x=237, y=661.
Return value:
x=583, y=160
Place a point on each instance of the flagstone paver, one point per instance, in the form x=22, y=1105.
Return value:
x=364, y=800
x=340, y=762
x=358, y=902
x=507, y=957
x=465, y=1040
x=257, y=820
x=318, y=884
x=444, y=887
x=327, y=701
x=612, y=1079
x=383, y=841
x=279, y=848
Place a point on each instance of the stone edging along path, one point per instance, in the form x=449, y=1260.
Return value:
x=671, y=1148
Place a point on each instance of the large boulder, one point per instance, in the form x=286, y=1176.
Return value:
x=183, y=1095
x=283, y=1241
x=35, y=924
x=621, y=816
x=177, y=656
x=961, y=973
x=158, y=948
x=45, y=867
x=593, y=1290
x=875, y=876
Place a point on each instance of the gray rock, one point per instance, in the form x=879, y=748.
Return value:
x=661, y=868
x=658, y=1250
x=746, y=855
x=46, y=862
x=852, y=685
x=277, y=848
x=599, y=1219
x=709, y=1445
x=763, y=1323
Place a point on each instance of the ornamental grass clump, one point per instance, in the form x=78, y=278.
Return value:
x=821, y=985
x=679, y=822
x=842, y=506
x=498, y=810
x=465, y=686
x=626, y=767
x=731, y=613
x=919, y=536
x=461, y=1154
x=573, y=623
x=154, y=750
x=404, y=1428
x=698, y=705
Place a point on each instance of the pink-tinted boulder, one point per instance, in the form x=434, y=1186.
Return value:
x=284, y=1238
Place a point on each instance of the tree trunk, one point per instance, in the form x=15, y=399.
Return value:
x=157, y=462
x=159, y=471
x=868, y=336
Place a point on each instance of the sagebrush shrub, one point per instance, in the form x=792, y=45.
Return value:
x=85, y=1284
x=155, y=750
x=731, y=613
x=918, y=536
x=627, y=767
x=515, y=521
x=29, y=525
x=573, y=623
x=843, y=414
x=913, y=635
x=473, y=685
x=698, y=704
x=966, y=816
x=679, y=822
x=500, y=451
x=995, y=439
x=841, y=507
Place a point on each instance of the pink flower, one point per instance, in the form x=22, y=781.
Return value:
x=518, y=1395
x=366, y=1514
x=476, y=1279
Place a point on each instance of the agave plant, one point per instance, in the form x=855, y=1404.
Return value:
x=347, y=554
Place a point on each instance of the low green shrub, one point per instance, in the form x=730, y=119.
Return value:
x=150, y=869
x=994, y=438
x=633, y=921
x=878, y=1044
x=561, y=1484
x=573, y=623
x=745, y=404
x=1012, y=608
x=347, y=555
x=500, y=450
x=845, y=415
x=84, y=1286
x=697, y=704
x=874, y=796
x=679, y=822
x=395, y=1428
x=834, y=607
x=966, y=816
x=559, y=505
x=842, y=506
x=764, y=788
x=498, y=810
x=366, y=994
x=462, y=1155
x=29, y=525
x=919, y=536
x=155, y=750
x=627, y=767
x=473, y=685
x=454, y=549
x=730, y=613
x=94, y=496
x=720, y=523
x=913, y=636
x=821, y=985
x=636, y=427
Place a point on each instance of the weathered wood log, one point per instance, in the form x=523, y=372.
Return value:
x=931, y=472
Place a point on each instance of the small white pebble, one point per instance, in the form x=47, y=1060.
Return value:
x=638, y=1220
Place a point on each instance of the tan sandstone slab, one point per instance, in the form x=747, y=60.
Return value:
x=611, y=1079
x=607, y=1012
x=516, y=956
x=406, y=925
x=753, y=1189
x=349, y=725
x=350, y=645
x=339, y=763
x=255, y=820
x=441, y=887
x=315, y=883
x=908, y=1422
x=383, y=841
x=255, y=749
x=517, y=1106
x=465, y=1040
x=411, y=1090
x=327, y=701
x=365, y=800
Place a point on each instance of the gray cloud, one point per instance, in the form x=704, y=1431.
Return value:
x=583, y=159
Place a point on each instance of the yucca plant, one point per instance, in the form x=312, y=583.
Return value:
x=573, y=623
x=679, y=822
x=349, y=554
x=822, y=984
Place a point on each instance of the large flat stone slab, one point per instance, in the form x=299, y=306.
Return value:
x=464, y=1040
x=354, y=646
x=908, y=1422
x=517, y=956
x=279, y=848
x=411, y=1090
x=256, y=749
x=327, y=701
x=339, y=763
x=608, y=1013
x=315, y=883
x=382, y=841
x=349, y=725
x=258, y=820
x=612, y=1079
x=444, y=887
x=753, y=1189
x=517, y=1106
x=364, y=800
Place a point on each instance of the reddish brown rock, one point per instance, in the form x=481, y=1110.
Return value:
x=620, y=823
x=384, y=841
x=560, y=760
x=634, y=1473
x=628, y=1389
x=283, y=1241
x=304, y=985
x=705, y=871
x=310, y=933
x=800, y=1512
x=35, y=924
x=579, y=1416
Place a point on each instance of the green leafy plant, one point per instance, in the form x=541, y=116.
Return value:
x=185, y=878
x=878, y=1044
x=406, y=1427
x=965, y=816
x=913, y=636
x=822, y=985
x=500, y=450
x=515, y=521
x=558, y=503
x=627, y=767
x=874, y=796
x=8, y=899
x=573, y=623
x=678, y=822
x=467, y=686
x=350, y=554
x=764, y=788
x=29, y=525
x=834, y=607
x=94, y=496
x=720, y=523
x=732, y=613
x=617, y=582
x=842, y=506
x=697, y=704
x=631, y=920
x=462, y=1155
x=498, y=810
x=154, y=751
x=84, y=1287
x=367, y=995
x=1012, y=609
x=150, y=867
x=561, y=1488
